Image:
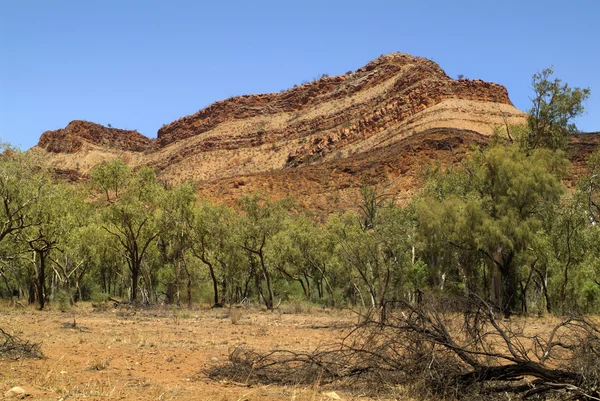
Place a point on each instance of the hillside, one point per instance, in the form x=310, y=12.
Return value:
x=318, y=142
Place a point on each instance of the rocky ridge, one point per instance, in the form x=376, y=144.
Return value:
x=381, y=123
x=71, y=138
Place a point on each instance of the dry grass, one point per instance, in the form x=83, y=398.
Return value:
x=163, y=353
x=433, y=352
x=158, y=354
x=236, y=315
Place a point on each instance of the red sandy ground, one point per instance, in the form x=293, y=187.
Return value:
x=160, y=354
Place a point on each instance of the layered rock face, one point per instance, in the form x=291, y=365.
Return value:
x=318, y=142
x=71, y=138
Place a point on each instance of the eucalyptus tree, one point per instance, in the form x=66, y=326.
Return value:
x=54, y=216
x=586, y=283
x=380, y=252
x=305, y=254
x=21, y=184
x=110, y=178
x=215, y=244
x=174, y=243
x=78, y=256
x=260, y=222
x=589, y=188
x=132, y=219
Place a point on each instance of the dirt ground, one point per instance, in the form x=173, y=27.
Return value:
x=160, y=354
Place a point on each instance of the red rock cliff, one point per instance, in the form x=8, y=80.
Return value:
x=70, y=139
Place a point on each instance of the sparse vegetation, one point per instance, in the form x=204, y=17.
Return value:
x=439, y=348
x=13, y=347
x=236, y=315
x=496, y=233
x=554, y=106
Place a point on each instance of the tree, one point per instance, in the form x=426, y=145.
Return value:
x=258, y=226
x=377, y=247
x=21, y=185
x=214, y=243
x=79, y=251
x=305, y=254
x=175, y=241
x=589, y=187
x=20, y=188
x=132, y=220
x=554, y=106
x=490, y=210
x=588, y=195
x=111, y=178
x=53, y=218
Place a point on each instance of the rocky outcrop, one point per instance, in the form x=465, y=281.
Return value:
x=71, y=138
x=419, y=83
x=319, y=141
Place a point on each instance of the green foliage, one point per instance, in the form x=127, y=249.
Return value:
x=500, y=225
x=62, y=298
x=305, y=254
x=175, y=240
x=554, y=106
x=258, y=226
x=488, y=214
x=214, y=243
x=589, y=188
x=110, y=178
x=375, y=249
x=132, y=219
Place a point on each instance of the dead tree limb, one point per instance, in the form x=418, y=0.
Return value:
x=438, y=352
x=12, y=347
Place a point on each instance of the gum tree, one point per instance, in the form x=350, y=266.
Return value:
x=132, y=220
x=175, y=240
x=259, y=224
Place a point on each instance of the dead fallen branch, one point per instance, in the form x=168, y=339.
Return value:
x=12, y=347
x=436, y=352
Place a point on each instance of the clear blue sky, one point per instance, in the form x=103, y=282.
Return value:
x=138, y=64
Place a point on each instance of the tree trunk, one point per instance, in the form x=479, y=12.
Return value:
x=544, y=285
x=269, y=299
x=31, y=293
x=177, y=283
x=509, y=284
x=10, y=291
x=189, y=284
x=504, y=280
x=41, y=279
x=564, y=288
x=135, y=273
x=215, y=282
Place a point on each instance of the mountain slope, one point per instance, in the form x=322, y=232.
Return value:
x=318, y=142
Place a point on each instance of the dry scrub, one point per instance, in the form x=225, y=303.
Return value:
x=12, y=347
x=436, y=352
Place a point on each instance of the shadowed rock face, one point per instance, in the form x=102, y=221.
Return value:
x=71, y=138
x=319, y=141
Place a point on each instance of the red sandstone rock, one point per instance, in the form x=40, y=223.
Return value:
x=70, y=139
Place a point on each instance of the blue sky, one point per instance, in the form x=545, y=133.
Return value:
x=138, y=64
